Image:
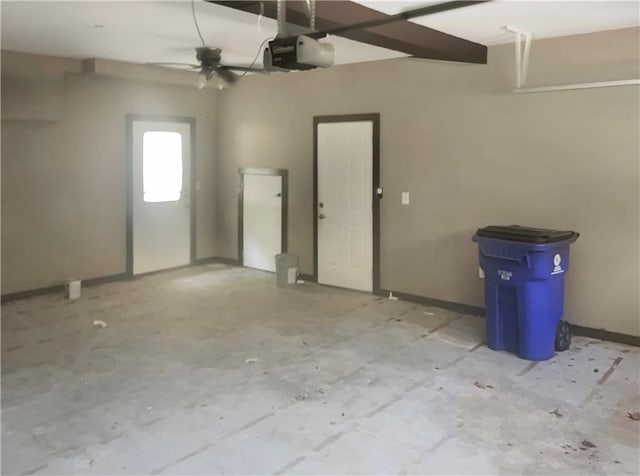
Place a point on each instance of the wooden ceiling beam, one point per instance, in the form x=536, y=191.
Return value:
x=404, y=36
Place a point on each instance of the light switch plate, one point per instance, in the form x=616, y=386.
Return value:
x=405, y=198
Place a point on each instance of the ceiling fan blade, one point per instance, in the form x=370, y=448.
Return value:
x=406, y=15
x=183, y=65
x=248, y=69
x=227, y=75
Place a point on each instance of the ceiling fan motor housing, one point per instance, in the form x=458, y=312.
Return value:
x=208, y=56
x=299, y=53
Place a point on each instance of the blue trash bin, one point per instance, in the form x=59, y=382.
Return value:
x=524, y=271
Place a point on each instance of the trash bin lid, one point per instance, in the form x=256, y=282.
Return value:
x=526, y=234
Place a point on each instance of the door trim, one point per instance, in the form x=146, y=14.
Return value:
x=242, y=171
x=374, y=118
x=131, y=118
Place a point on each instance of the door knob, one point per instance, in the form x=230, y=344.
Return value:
x=321, y=217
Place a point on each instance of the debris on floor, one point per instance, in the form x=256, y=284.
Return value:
x=635, y=416
x=587, y=444
x=380, y=388
x=99, y=324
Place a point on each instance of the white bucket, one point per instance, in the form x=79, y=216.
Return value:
x=73, y=289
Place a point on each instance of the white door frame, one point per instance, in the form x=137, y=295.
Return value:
x=131, y=118
x=242, y=171
x=376, y=192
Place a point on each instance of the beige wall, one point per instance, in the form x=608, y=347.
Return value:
x=471, y=153
x=64, y=180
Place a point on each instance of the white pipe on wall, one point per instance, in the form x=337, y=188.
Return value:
x=522, y=65
x=567, y=87
x=518, y=60
x=527, y=51
x=522, y=57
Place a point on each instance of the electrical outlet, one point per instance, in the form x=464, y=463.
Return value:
x=405, y=198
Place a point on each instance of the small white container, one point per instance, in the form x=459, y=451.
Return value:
x=73, y=289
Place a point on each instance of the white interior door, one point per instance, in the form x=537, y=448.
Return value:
x=345, y=214
x=161, y=197
x=262, y=220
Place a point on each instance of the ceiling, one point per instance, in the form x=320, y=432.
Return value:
x=544, y=19
x=159, y=31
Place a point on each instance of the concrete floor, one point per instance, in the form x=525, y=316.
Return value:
x=344, y=382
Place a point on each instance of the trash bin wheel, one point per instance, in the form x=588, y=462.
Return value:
x=563, y=336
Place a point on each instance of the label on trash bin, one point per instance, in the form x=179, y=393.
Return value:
x=505, y=275
x=292, y=275
x=557, y=265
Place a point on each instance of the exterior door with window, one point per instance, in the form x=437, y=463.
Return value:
x=161, y=197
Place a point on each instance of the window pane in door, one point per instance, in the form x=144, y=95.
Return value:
x=162, y=166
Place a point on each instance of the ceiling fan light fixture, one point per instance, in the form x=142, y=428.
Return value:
x=219, y=83
x=210, y=76
x=202, y=81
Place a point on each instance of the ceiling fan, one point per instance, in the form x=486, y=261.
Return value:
x=210, y=67
x=209, y=63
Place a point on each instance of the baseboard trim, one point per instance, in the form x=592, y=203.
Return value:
x=59, y=288
x=30, y=293
x=606, y=335
x=147, y=274
x=479, y=311
x=202, y=261
x=310, y=278
x=221, y=260
x=601, y=334
x=450, y=306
